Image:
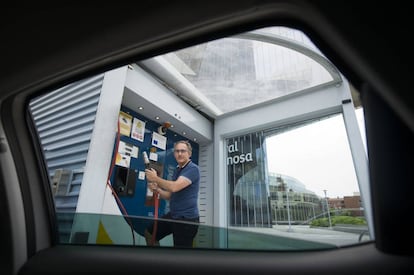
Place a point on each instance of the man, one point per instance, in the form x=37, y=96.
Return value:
x=182, y=192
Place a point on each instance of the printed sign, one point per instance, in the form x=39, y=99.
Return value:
x=159, y=141
x=125, y=122
x=128, y=149
x=138, y=129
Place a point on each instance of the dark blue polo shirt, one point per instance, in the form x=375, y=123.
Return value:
x=184, y=203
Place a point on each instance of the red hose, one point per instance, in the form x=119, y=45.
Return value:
x=155, y=196
x=108, y=182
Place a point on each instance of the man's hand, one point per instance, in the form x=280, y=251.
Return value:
x=151, y=175
x=153, y=186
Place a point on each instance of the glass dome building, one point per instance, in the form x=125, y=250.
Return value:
x=291, y=202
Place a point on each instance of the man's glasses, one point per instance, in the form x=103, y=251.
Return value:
x=180, y=151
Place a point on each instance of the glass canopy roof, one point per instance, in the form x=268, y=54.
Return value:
x=237, y=72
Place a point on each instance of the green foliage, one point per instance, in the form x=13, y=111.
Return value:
x=324, y=222
x=349, y=220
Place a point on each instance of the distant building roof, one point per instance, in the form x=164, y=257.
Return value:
x=291, y=182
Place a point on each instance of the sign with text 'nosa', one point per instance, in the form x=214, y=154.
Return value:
x=235, y=156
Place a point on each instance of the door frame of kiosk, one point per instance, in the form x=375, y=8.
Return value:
x=139, y=134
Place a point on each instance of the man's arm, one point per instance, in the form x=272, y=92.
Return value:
x=167, y=185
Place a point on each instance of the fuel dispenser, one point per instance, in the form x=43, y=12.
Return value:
x=142, y=143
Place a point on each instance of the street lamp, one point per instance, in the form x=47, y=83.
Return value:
x=313, y=211
x=327, y=207
x=288, y=210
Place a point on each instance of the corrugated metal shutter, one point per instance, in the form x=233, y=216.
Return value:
x=65, y=120
x=205, y=234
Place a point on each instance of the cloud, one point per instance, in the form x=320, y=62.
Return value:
x=318, y=155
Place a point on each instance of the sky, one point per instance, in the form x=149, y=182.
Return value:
x=318, y=155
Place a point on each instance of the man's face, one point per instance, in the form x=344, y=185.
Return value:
x=181, y=153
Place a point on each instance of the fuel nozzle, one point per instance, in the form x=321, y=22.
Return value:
x=146, y=160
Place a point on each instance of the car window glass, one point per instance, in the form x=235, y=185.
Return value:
x=275, y=130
